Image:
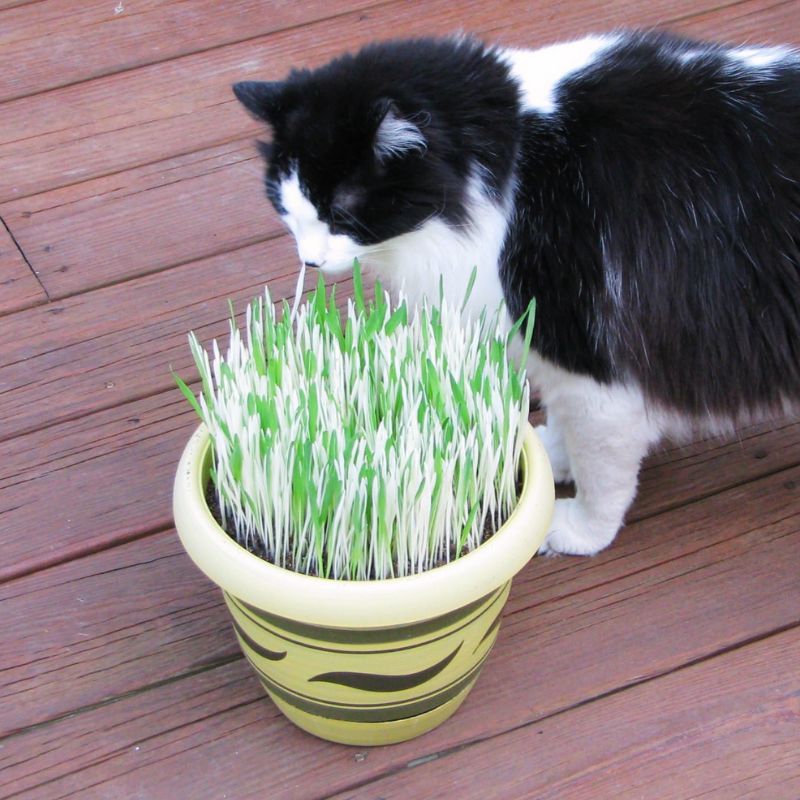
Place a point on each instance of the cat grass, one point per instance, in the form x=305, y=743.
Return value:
x=364, y=443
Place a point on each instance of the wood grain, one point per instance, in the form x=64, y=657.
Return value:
x=18, y=286
x=679, y=587
x=99, y=627
x=67, y=42
x=679, y=474
x=136, y=444
x=93, y=232
x=725, y=728
x=665, y=666
x=145, y=219
x=185, y=104
x=107, y=347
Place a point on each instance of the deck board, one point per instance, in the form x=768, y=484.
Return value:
x=175, y=107
x=566, y=638
x=72, y=358
x=100, y=232
x=662, y=667
x=66, y=43
x=724, y=728
x=19, y=288
x=127, y=618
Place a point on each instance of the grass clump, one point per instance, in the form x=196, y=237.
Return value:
x=368, y=444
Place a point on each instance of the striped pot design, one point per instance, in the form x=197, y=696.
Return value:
x=369, y=662
x=364, y=685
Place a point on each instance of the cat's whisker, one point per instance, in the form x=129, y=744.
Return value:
x=353, y=220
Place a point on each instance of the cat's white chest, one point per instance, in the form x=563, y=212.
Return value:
x=417, y=262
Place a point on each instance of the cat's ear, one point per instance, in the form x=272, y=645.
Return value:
x=396, y=135
x=261, y=98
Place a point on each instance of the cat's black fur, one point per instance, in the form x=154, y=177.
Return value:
x=685, y=182
x=655, y=215
x=326, y=120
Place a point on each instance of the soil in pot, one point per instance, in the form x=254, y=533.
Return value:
x=257, y=549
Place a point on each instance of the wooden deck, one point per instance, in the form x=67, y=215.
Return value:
x=132, y=208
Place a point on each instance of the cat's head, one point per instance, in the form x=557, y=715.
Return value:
x=369, y=147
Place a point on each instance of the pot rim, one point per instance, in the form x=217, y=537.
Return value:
x=362, y=604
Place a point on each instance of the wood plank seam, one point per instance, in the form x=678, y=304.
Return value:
x=26, y=260
x=147, y=162
x=110, y=756
x=41, y=425
x=648, y=516
x=717, y=9
x=420, y=761
x=90, y=550
x=207, y=667
x=198, y=51
x=21, y=3
x=211, y=254
x=527, y=609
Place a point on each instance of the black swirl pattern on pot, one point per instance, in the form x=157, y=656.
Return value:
x=371, y=712
x=271, y=655
x=490, y=630
x=280, y=626
x=375, y=682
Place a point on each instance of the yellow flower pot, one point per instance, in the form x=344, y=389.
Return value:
x=365, y=662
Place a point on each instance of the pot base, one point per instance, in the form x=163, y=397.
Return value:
x=371, y=733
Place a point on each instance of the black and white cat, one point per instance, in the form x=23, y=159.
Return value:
x=644, y=188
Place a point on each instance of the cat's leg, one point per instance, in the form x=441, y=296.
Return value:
x=552, y=438
x=607, y=433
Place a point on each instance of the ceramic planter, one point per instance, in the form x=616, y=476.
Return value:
x=365, y=662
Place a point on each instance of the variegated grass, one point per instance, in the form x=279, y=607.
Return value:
x=371, y=444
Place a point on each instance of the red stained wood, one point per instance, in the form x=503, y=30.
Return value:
x=66, y=42
x=683, y=473
x=100, y=627
x=185, y=104
x=656, y=669
x=646, y=609
x=144, y=220
x=725, y=728
x=90, y=483
x=18, y=286
x=93, y=232
x=108, y=347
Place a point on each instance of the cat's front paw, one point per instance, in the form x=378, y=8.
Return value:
x=553, y=443
x=574, y=533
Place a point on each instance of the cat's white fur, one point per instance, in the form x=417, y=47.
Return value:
x=397, y=136
x=596, y=435
x=756, y=57
x=539, y=72
x=316, y=245
x=415, y=261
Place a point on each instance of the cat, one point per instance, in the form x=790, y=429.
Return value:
x=643, y=187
